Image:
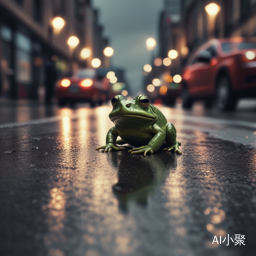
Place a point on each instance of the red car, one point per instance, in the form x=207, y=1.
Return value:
x=221, y=69
x=87, y=85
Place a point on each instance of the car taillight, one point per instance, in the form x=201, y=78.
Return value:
x=86, y=83
x=65, y=83
x=248, y=57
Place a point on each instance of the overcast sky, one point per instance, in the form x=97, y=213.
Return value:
x=128, y=24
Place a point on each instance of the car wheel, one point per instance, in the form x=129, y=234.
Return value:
x=187, y=102
x=226, y=100
x=62, y=102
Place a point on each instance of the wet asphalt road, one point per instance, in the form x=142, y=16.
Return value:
x=61, y=197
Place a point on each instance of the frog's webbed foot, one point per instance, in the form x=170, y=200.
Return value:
x=109, y=147
x=141, y=150
x=174, y=148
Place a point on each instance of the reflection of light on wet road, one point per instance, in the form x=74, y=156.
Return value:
x=103, y=123
x=56, y=208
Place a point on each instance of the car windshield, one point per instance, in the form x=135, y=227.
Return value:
x=86, y=73
x=228, y=47
x=246, y=45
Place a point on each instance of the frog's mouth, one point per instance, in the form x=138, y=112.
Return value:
x=140, y=116
x=151, y=118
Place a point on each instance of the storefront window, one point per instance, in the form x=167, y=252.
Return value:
x=7, y=72
x=23, y=58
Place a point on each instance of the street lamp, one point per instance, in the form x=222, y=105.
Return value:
x=147, y=68
x=85, y=53
x=96, y=63
x=212, y=9
x=73, y=41
x=173, y=54
x=58, y=23
x=108, y=51
x=151, y=43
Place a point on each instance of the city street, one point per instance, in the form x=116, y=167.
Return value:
x=61, y=197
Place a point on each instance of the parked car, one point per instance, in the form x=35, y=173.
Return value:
x=221, y=69
x=86, y=85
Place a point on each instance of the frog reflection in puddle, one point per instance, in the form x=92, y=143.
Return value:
x=139, y=177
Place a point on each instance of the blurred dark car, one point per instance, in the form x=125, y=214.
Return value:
x=86, y=85
x=221, y=69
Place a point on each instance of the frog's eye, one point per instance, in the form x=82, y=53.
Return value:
x=144, y=102
x=114, y=101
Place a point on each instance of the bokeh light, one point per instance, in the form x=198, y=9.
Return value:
x=58, y=23
x=96, y=63
x=147, y=68
x=158, y=62
x=151, y=43
x=65, y=83
x=156, y=82
x=172, y=54
x=177, y=79
x=150, y=88
x=108, y=51
x=85, y=53
x=212, y=9
x=184, y=50
x=167, y=62
x=124, y=93
x=113, y=80
x=163, y=90
x=86, y=83
x=168, y=78
x=250, y=55
x=73, y=41
x=111, y=74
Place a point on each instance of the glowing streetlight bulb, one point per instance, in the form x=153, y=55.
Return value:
x=58, y=23
x=85, y=53
x=172, y=54
x=96, y=63
x=167, y=62
x=212, y=9
x=156, y=82
x=147, y=68
x=73, y=41
x=108, y=51
x=151, y=43
x=113, y=80
x=110, y=74
x=177, y=79
x=150, y=88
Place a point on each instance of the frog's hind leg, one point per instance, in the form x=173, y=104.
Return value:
x=172, y=143
x=120, y=142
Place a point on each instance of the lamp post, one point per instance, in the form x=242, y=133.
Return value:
x=212, y=10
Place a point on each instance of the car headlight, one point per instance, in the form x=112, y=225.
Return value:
x=86, y=83
x=250, y=55
x=65, y=83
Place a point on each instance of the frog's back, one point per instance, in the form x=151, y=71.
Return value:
x=161, y=120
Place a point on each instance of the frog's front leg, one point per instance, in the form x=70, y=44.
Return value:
x=111, y=141
x=172, y=143
x=154, y=144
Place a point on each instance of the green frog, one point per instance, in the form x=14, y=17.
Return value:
x=139, y=124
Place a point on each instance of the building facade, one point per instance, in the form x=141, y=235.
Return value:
x=236, y=18
x=28, y=40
